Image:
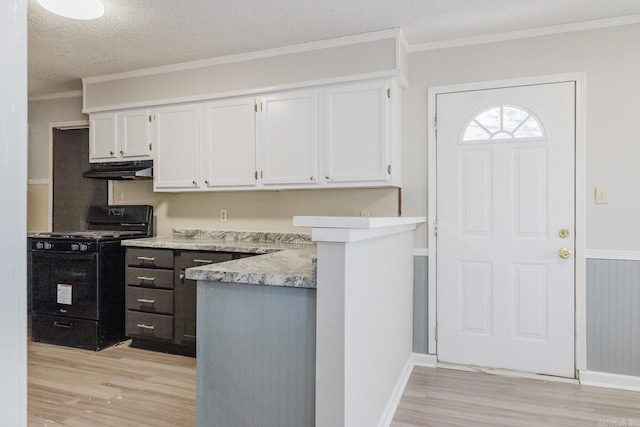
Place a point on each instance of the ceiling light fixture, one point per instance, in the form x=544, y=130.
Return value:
x=75, y=9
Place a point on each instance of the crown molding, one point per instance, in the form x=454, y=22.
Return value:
x=268, y=53
x=534, y=32
x=57, y=95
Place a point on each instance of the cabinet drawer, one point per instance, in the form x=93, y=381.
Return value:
x=150, y=300
x=151, y=258
x=196, y=259
x=149, y=325
x=149, y=277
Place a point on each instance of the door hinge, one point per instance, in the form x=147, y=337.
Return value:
x=435, y=228
x=435, y=332
x=150, y=147
x=389, y=93
x=389, y=169
x=435, y=122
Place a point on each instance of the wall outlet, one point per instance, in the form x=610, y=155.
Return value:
x=365, y=213
x=223, y=215
x=602, y=196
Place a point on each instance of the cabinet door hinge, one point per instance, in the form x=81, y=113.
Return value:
x=435, y=122
x=150, y=147
x=255, y=107
x=435, y=228
x=389, y=169
x=435, y=332
x=256, y=175
x=150, y=118
x=389, y=93
x=261, y=174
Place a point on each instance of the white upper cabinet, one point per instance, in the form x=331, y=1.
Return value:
x=288, y=138
x=177, y=134
x=135, y=134
x=120, y=136
x=102, y=140
x=357, y=133
x=228, y=143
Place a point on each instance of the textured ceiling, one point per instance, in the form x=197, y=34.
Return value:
x=136, y=34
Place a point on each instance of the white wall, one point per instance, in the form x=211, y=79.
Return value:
x=13, y=190
x=611, y=59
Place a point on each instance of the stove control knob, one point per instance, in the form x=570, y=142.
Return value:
x=39, y=245
x=83, y=246
x=47, y=245
x=75, y=247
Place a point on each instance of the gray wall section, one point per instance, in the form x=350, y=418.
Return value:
x=613, y=316
x=420, y=304
x=259, y=347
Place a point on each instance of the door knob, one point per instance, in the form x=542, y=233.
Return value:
x=564, y=253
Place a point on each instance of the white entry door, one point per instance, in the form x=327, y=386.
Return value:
x=505, y=218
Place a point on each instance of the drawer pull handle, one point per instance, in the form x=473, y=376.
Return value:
x=62, y=325
x=146, y=301
x=151, y=279
x=143, y=326
x=203, y=261
x=146, y=258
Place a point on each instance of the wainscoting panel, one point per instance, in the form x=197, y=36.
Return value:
x=613, y=316
x=420, y=304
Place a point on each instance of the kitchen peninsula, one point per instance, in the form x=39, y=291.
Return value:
x=256, y=324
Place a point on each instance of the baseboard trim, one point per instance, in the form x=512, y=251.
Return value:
x=426, y=360
x=606, y=380
x=415, y=359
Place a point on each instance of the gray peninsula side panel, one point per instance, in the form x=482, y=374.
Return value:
x=255, y=355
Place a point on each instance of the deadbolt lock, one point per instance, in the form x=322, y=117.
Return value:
x=564, y=233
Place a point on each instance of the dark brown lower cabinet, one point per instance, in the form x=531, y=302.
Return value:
x=185, y=292
x=161, y=302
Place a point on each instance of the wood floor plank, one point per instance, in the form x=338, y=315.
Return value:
x=444, y=397
x=118, y=386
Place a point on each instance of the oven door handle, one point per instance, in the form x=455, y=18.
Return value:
x=150, y=279
x=146, y=258
x=62, y=325
x=146, y=301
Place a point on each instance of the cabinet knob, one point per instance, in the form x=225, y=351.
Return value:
x=327, y=178
x=206, y=181
x=194, y=182
x=121, y=151
x=311, y=178
x=111, y=153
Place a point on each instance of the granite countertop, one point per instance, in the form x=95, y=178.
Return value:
x=284, y=259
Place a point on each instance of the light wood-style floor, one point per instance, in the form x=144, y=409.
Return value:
x=443, y=397
x=123, y=386
x=118, y=386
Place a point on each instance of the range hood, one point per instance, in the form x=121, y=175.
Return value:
x=142, y=169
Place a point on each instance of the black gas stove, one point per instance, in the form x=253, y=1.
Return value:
x=77, y=278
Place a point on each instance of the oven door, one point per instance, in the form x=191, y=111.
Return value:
x=65, y=284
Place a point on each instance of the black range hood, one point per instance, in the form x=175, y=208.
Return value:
x=142, y=169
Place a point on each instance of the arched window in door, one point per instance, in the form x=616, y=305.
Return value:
x=503, y=122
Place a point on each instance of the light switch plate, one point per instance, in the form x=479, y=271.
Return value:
x=602, y=196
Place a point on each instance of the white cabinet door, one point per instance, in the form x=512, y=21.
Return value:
x=103, y=137
x=229, y=143
x=357, y=134
x=134, y=134
x=288, y=138
x=177, y=132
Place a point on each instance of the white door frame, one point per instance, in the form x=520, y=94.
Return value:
x=580, y=148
